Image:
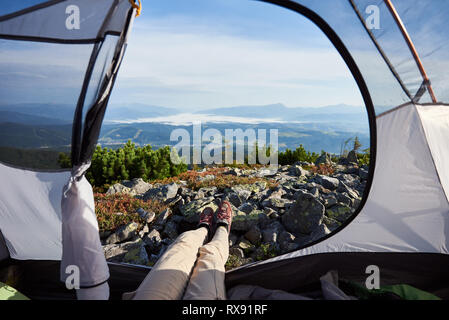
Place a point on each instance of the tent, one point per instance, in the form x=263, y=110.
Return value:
x=396, y=52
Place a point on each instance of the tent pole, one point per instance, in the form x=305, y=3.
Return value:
x=411, y=46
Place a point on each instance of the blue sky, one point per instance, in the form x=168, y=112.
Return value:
x=200, y=54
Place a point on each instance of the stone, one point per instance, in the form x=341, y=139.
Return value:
x=277, y=203
x=123, y=233
x=324, y=158
x=340, y=212
x=343, y=188
x=234, y=171
x=247, y=207
x=129, y=252
x=272, y=231
x=328, y=182
x=285, y=239
x=246, y=246
x=234, y=198
x=119, y=188
x=254, y=235
x=153, y=240
x=330, y=223
x=233, y=239
x=352, y=156
x=191, y=211
x=237, y=252
x=319, y=233
x=298, y=171
x=363, y=174
x=171, y=230
x=330, y=201
x=207, y=177
x=243, y=222
x=162, y=193
x=162, y=219
x=137, y=185
x=147, y=216
x=305, y=215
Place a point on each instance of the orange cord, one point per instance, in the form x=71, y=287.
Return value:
x=138, y=7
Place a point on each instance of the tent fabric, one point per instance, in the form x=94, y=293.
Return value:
x=56, y=22
x=426, y=23
x=81, y=245
x=407, y=209
x=30, y=212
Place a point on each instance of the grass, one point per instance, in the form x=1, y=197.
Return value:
x=221, y=181
x=107, y=207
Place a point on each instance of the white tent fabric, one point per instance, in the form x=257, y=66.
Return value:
x=80, y=232
x=60, y=21
x=407, y=209
x=30, y=212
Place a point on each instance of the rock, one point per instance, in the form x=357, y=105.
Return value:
x=246, y=246
x=234, y=198
x=277, y=203
x=162, y=219
x=352, y=157
x=271, y=233
x=330, y=223
x=237, y=252
x=344, y=199
x=137, y=185
x=305, y=215
x=162, y=193
x=343, y=188
x=298, y=171
x=328, y=182
x=208, y=177
x=339, y=212
x=363, y=174
x=129, y=252
x=153, y=240
x=254, y=235
x=243, y=189
x=234, y=171
x=243, y=222
x=192, y=210
x=247, y=207
x=269, y=211
x=233, y=239
x=171, y=230
x=325, y=158
x=123, y=233
x=319, y=233
x=285, y=239
x=330, y=201
x=266, y=172
x=119, y=188
x=147, y=216
x=174, y=201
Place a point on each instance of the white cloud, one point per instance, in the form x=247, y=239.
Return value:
x=200, y=68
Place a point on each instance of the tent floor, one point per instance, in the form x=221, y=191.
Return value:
x=429, y=272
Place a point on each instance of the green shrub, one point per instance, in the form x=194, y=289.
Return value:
x=109, y=166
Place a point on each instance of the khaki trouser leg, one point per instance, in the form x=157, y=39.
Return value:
x=207, y=280
x=168, y=278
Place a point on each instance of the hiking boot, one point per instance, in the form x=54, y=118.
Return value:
x=206, y=220
x=224, y=215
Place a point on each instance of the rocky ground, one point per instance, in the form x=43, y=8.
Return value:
x=275, y=210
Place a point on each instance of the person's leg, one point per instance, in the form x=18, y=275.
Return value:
x=169, y=276
x=207, y=280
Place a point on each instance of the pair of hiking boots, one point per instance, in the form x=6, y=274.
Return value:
x=212, y=220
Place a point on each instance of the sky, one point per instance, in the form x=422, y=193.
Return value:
x=195, y=55
x=201, y=54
